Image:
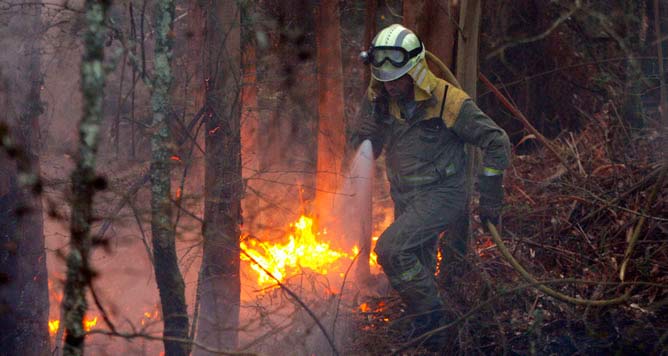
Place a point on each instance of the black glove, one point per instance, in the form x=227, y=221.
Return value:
x=491, y=198
x=369, y=127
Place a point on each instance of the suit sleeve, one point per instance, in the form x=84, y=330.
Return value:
x=476, y=128
x=369, y=125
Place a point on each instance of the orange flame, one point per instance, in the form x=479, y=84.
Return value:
x=88, y=325
x=303, y=250
x=373, y=258
x=53, y=326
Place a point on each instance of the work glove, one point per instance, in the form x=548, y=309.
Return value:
x=368, y=126
x=491, y=198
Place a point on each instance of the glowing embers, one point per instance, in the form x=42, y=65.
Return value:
x=484, y=245
x=53, y=326
x=88, y=325
x=375, y=313
x=303, y=250
x=150, y=317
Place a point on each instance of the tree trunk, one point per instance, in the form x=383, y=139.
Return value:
x=83, y=179
x=167, y=273
x=24, y=298
x=663, y=91
x=250, y=119
x=434, y=23
x=633, y=109
x=369, y=32
x=331, y=137
x=467, y=75
x=467, y=46
x=220, y=289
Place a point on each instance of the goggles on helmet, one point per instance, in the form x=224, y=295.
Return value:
x=397, y=56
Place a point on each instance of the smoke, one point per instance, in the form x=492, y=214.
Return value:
x=274, y=322
x=281, y=169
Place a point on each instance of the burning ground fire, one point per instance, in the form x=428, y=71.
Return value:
x=88, y=325
x=304, y=249
x=88, y=322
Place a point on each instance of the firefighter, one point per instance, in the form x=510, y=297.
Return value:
x=422, y=123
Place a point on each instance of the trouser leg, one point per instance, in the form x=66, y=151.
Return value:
x=407, y=249
x=455, y=243
x=427, y=254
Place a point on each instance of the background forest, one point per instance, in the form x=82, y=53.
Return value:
x=175, y=178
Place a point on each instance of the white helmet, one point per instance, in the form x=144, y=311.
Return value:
x=394, y=51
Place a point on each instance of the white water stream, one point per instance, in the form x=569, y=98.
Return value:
x=354, y=205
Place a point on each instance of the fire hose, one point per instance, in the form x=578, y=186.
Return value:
x=496, y=237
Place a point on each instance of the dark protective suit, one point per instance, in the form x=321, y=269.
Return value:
x=426, y=166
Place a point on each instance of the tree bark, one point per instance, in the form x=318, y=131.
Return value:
x=663, y=91
x=633, y=109
x=79, y=271
x=467, y=46
x=369, y=32
x=220, y=290
x=331, y=125
x=467, y=74
x=167, y=274
x=252, y=205
x=434, y=22
x=24, y=298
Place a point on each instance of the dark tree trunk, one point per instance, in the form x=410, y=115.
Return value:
x=369, y=32
x=83, y=178
x=24, y=297
x=660, y=11
x=252, y=204
x=220, y=289
x=467, y=75
x=167, y=273
x=435, y=23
